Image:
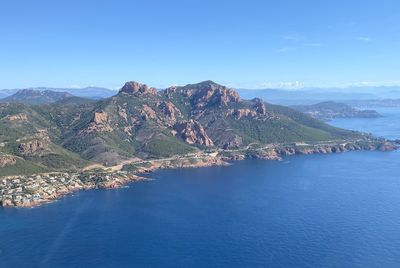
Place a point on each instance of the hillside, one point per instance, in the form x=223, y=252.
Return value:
x=91, y=92
x=142, y=122
x=329, y=110
x=36, y=96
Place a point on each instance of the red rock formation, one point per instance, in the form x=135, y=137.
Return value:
x=7, y=160
x=209, y=93
x=148, y=112
x=137, y=88
x=169, y=91
x=99, y=123
x=193, y=133
x=170, y=110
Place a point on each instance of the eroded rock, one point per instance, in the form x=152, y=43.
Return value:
x=134, y=87
x=193, y=133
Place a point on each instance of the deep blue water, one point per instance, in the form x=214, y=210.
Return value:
x=337, y=210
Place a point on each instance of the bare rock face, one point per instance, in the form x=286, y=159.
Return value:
x=137, y=89
x=239, y=113
x=169, y=91
x=148, y=112
x=33, y=147
x=209, y=93
x=7, y=160
x=170, y=110
x=193, y=133
x=234, y=142
x=17, y=117
x=387, y=147
x=259, y=106
x=99, y=123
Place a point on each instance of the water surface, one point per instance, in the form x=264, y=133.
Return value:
x=337, y=210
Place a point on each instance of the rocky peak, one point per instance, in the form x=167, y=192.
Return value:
x=169, y=91
x=259, y=106
x=193, y=132
x=208, y=93
x=133, y=87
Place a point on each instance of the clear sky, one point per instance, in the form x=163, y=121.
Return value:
x=250, y=44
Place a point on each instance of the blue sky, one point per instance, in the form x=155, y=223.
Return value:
x=252, y=44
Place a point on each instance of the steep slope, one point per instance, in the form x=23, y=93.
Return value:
x=231, y=122
x=137, y=121
x=91, y=92
x=36, y=96
x=31, y=134
x=141, y=122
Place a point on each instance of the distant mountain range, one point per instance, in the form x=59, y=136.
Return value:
x=87, y=92
x=315, y=95
x=36, y=96
x=354, y=96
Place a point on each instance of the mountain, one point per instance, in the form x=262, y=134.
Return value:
x=94, y=93
x=36, y=97
x=87, y=92
x=141, y=122
x=7, y=92
x=304, y=96
x=330, y=109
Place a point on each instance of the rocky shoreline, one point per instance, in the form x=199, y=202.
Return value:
x=29, y=191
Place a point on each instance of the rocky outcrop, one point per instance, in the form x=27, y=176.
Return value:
x=259, y=106
x=235, y=141
x=7, y=160
x=99, y=123
x=137, y=89
x=17, y=117
x=170, y=91
x=169, y=110
x=33, y=147
x=239, y=113
x=148, y=112
x=387, y=146
x=193, y=133
x=208, y=94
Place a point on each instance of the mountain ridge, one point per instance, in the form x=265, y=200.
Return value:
x=141, y=122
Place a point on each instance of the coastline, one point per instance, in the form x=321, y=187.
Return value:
x=35, y=190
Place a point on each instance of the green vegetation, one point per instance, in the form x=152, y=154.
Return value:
x=22, y=167
x=167, y=147
x=73, y=132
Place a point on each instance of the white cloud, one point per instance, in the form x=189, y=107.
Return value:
x=364, y=38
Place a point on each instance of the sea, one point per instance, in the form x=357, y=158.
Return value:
x=335, y=210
